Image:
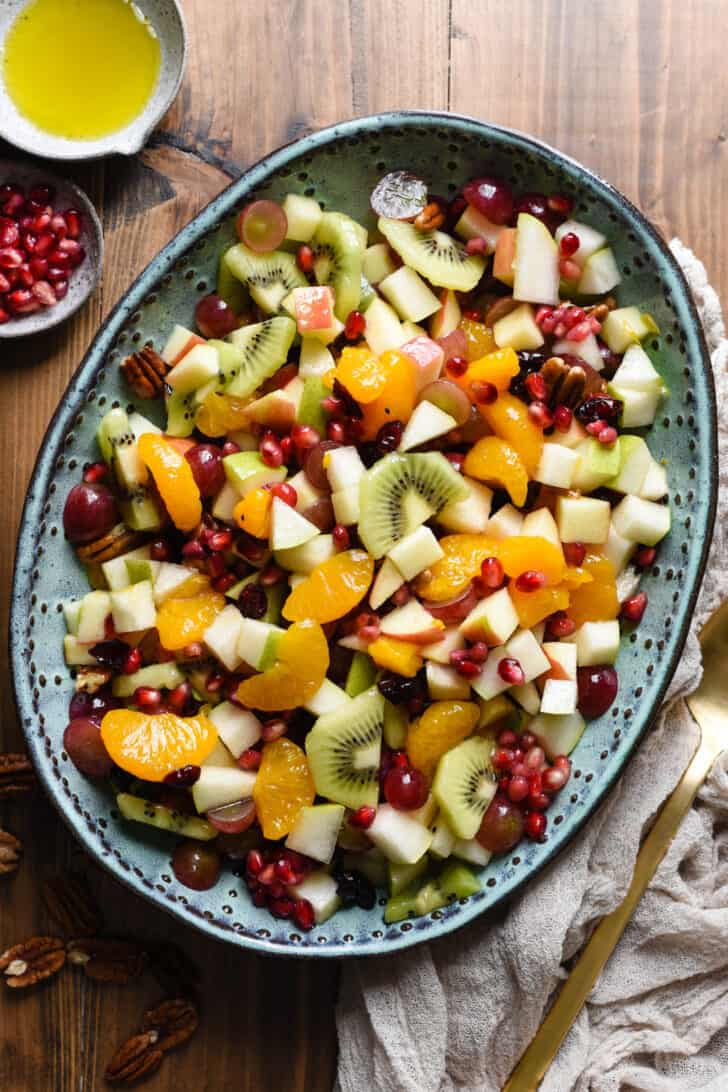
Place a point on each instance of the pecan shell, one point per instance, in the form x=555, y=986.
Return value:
x=135, y=1059
x=174, y=1021
x=119, y=540
x=31, y=961
x=16, y=775
x=107, y=960
x=430, y=218
x=71, y=905
x=91, y=679
x=10, y=850
x=144, y=372
x=500, y=309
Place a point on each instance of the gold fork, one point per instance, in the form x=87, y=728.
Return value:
x=709, y=707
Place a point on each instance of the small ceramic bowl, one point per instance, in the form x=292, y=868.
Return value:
x=167, y=20
x=84, y=279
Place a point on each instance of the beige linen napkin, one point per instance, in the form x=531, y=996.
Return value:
x=456, y=1014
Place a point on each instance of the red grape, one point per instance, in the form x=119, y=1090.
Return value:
x=454, y=610
x=448, y=397
x=196, y=865
x=85, y=747
x=405, y=789
x=262, y=226
x=536, y=204
x=214, y=317
x=233, y=818
x=598, y=688
x=321, y=514
x=83, y=704
x=502, y=825
x=314, y=464
x=89, y=513
x=207, y=468
x=491, y=197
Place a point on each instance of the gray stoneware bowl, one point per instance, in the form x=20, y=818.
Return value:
x=340, y=166
x=84, y=279
x=168, y=22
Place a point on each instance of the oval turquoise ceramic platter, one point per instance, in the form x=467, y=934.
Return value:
x=340, y=166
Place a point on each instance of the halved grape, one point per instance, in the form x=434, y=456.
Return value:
x=313, y=464
x=399, y=196
x=448, y=397
x=321, y=514
x=83, y=704
x=196, y=865
x=85, y=747
x=491, y=197
x=233, y=818
x=454, y=344
x=454, y=610
x=262, y=226
x=215, y=317
x=207, y=468
x=89, y=513
x=502, y=825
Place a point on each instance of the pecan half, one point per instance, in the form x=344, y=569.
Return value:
x=71, y=905
x=91, y=679
x=431, y=218
x=144, y=372
x=500, y=309
x=16, y=775
x=31, y=961
x=174, y=1021
x=119, y=540
x=135, y=1059
x=566, y=384
x=107, y=960
x=10, y=850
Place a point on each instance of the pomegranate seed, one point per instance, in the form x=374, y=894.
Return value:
x=96, y=472
x=507, y=738
x=250, y=759
x=538, y=801
x=183, y=778
x=272, y=575
x=484, y=393
x=456, y=459
x=147, y=698
x=230, y=448
x=286, y=447
x=59, y=259
x=14, y=205
x=535, y=758
x=535, y=384
x=303, y=915
x=254, y=862
x=594, y=324
x=335, y=431
x=534, y=826
x=133, y=661
x=341, y=537
x=645, y=557
x=517, y=789
x=502, y=759
x=332, y=404
x=457, y=365
x=367, y=626
x=478, y=652
x=281, y=907
x=216, y=565
x=42, y=194
x=492, y=572
x=22, y=302
x=39, y=268
x=25, y=278
x=563, y=762
x=574, y=553
x=271, y=454
x=4, y=283
x=10, y=257
x=362, y=818
x=473, y=314
x=304, y=259
x=511, y=671
x=55, y=273
x=354, y=326
x=284, y=872
x=73, y=222
x=468, y=669
x=274, y=729
x=478, y=245
x=193, y=551
x=531, y=580
x=401, y=596
x=560, y=204
x=540, y=414
x=29, y=242
x=304, y=437
x=9, y=233
x=220, y=541
x=179, y=698
x=214, y=682
x=44, y=293
x=634, y=607
x=560, y=625
x=569, y=270
x=285, y=492
x=569, y=244
x=563, y=418
x=554, y=779
x=59, y=227
x=608, y=436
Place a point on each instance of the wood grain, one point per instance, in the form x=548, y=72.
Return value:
x=634, y=90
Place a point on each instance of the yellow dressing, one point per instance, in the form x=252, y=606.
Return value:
x=81, y=69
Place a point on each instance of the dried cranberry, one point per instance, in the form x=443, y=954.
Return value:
x=399, y=690
x=389, y=437
x=252, y=601
x=183, y=778
x=112, y=654
x=599, y=407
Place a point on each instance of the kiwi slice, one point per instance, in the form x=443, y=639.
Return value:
x=344, y=748
x=400, y=492
x=269, y=277
x=436, y=256
x=140, y=810
x=180, y=413
x=230, y=358
x=264, y=347
x=465, y=784
x=339, y=254
x=230, y=289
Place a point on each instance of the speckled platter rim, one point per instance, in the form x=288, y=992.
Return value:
x=274, y=939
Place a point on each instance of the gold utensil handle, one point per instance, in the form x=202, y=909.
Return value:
x=543, y=1048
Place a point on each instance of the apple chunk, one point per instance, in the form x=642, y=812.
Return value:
x=536, y=263
x=412, y=623
x=493, y=620
x=583, y=519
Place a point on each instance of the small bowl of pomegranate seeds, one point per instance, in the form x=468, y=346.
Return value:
x=51, y=249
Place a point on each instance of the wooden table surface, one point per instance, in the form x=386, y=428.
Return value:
x=636, y=91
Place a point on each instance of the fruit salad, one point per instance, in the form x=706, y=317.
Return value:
x=356, y=596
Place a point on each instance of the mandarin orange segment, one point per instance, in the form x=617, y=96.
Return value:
x=303, y=660
x=182, y=621
x=174, y=479
x=152, y=746
x=397, y=400
x=439, y=729
x=497, y=368
x=221, y=413
x=508, y=417
x=363, y=373
x=575, y=577
x=391, y=654
x=523, y=552
x=253, y=513
x=496, y=462
x=283, y=787
x=451, y=574
x=533, y=607
x=596, y=601
x=479, y=338
x=333, y=588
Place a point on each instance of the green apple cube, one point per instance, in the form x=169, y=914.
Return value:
x=557, y=466
x=221, y=637
x=524, y=647
x=618, y=550
x=471, y=515
x=316, y=830
x=237, y=728
x=439, y=651
x=654, y=487
x=590, y=240
x=506, y=522
x=470, y=850
x=386, y=582
x=224, y=504
x=600, y=274
x=343, y=468
x=527, y=696
x=541, y=524
x=639, y=408
x=76, y=654
x=288, y=527
x=246, y=471
x=94, y=610
x=361, y=675
x=133, y=608
x=637, y=372
x=158, y=676
x=72, y=614
x=558, y=735
x=626, y=325
x=220, y=756
x=444, y=683
x=278, y=410
x=634, y=462
x=395, y=726
x=195, y=368
x=220, y=785
x=179, y=342
x=473, y=225
x=310, y=409
x=641, y=520
x=518, y=330
x=559, y=697
x=596, y=643
x=443, y=839
x=378, y=263
x=411, y=298
x=536, y=262
x=426, y=813
x=574, y=436
x=427, y=422
x=383, y=330
x=315, y=358
x=488, y=684
x=320, y=889
x=447, y=319
x=415, y=552
x=562, y=657
x=304, y=559
x=328, y=697
x=583, y=519
x=587, y=350
x=401, y=839
x=493, y=620
x=253, y=638
x=596, y=463
x=411, y=331
x=303, y=215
